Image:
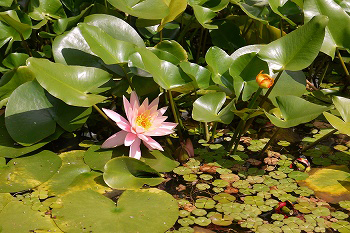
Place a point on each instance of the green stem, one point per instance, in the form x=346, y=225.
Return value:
x=268, y=143
x=318, y=140
x=240, y=129
x=105, y=116
x=207, y=138
x=161, y=36
x=176, y=118
x=345, y=69
x=213, y=131
x=233, y=138
x=270, y=89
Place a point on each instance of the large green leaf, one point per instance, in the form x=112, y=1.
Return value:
x=129, y=173
x=176, y=7
x=343, y=106
x=41, y=9
x=28, y=172
x=115, y=27
x=337, y=30
x=298, y=49
x=258, y=10
x=110, y=50
x=71, y=84
x=207, y=108
x=219, y=63
x=245, y=67
x=27, y=116
x=146, y=9
x=173, y=48
x=72, y=49
x=294, y=111
x=6, y=3
x=166, y=74
x=8, y=33
x=69, y=117
x=15, y=60
x=339, y=124
x=72, y=166
x=142, y=211
x=10, y=149
x=275, y=5
x=290, y=83
x=199, y=74
x=61, y=25
x=11, y=18
x=204, y=16
x=19, y=217
x=13, y=79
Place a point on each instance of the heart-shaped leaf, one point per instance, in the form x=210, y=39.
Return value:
x=337, y=31
x=15, y=60
x=339, y=124
x=115, y=27
x=129, y=173
x=69, y=117
x=13, y=79
x=245, y=67
x=146, y=9
x=41, y=9
x=343, y=106
x=142, y=210
x=110, y=50
x=166, y=74
x=298, y=49
x=8, y=33
x=28, y=172
x=207, y=108
x=69, y=83
x=275, y=5
x=27, y=116
x=199, y=74
x=294, y=111
x=219, y=63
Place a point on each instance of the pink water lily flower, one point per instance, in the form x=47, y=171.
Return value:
x=142, y=123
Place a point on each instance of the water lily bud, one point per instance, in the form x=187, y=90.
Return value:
x=264, y=80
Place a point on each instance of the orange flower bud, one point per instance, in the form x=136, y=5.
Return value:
x=264, y=80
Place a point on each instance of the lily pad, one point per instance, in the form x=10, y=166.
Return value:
x=72, y=166
x=143, y=211
x=125, y=173
x=28, y=172
x=330, y=183
x=18, y=217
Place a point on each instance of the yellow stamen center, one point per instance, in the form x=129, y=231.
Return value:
x=144, y=120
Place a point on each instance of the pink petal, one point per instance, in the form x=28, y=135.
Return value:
x=135, y=151
x=142, y=137
x=134, y=100
x=121, y=121
x=115, y=140
x=162, y=111
x=158, y=132
x=127, y=108
x=129, y=139
x=144, y=106
x=154, y=103
x=153, y=144
x=168, y=125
